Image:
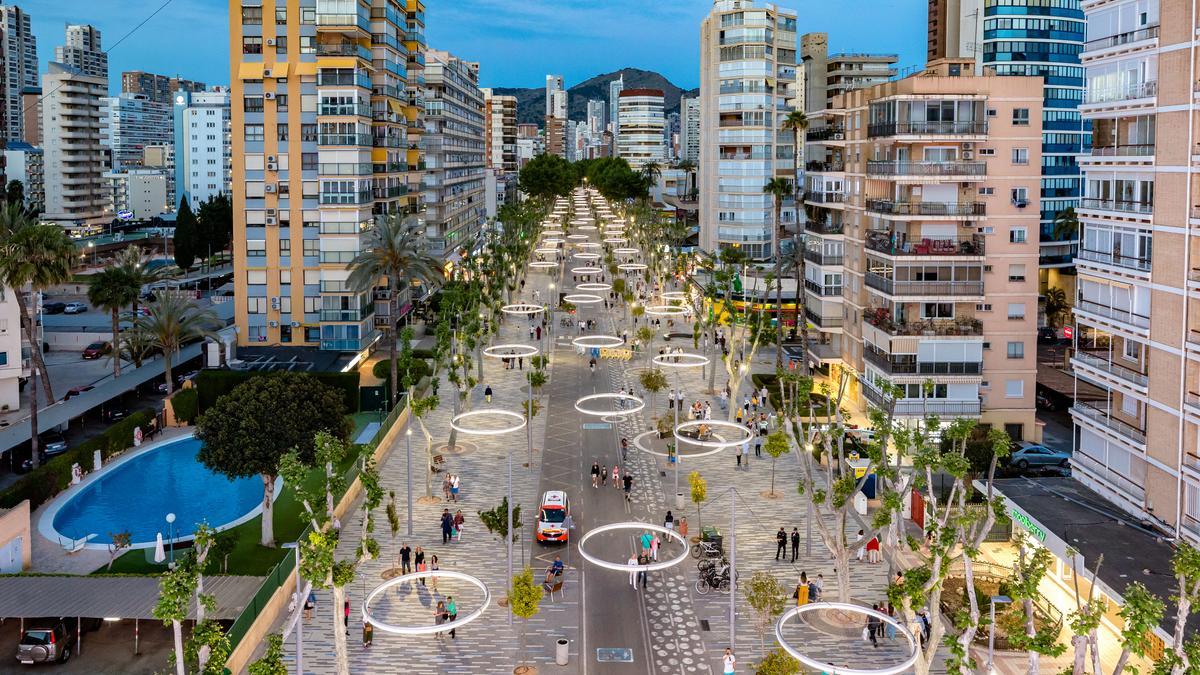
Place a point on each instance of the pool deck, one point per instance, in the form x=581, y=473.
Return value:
x=49, y=557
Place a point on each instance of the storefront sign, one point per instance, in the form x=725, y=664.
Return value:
x=1028, y=524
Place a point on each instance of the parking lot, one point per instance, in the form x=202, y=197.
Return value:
x=108, y=650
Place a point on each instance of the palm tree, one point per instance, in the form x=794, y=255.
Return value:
x=130, y=262
x=1056, y=305
x=651, y=172
x=133, y=345
x=112, y=290
x=687, y=166
x=793, y=264
x=1066, y=225
x=796, y=122
x=396, y=250
x=174, y=321
x=780, y=189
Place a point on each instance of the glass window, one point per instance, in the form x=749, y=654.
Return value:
x=252, y=16
x=1020, y=117
x=252, y=44
x=1016, y=350
x=1014, y=388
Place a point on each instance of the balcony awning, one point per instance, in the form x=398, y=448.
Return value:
x=396, y=107
x=304, y=68
x=337, y=62
x=250, y=71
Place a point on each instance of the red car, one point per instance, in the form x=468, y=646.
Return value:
x=96, y=350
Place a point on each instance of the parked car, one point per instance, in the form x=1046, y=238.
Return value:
x=75, y=308
x=1047, y=336
x=551, y=523
x=47, y=642
x=132, y=314
x=53, y=444
x=96, y=350
x=53, y=307
x=1045, y=402
x=114, y=414
x=1034, y=455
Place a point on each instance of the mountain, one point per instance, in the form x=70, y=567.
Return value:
x=531, y=102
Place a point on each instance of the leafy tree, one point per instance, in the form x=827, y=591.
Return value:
x=767, y=597
x=271, y=662
x=645, y=337
x=779, y=189
x=120, y=542
x=496, y=519
x=777, y=446
x=1141, y=613
x=112, y=289
x=223, y=544
x=776, y=662
x=546, y=177
x=173, y=322
x=1028, y=572
x=133, y=345
x=699, y=491
x=215, y=223
x=523, y=599
x=14, y=193
x=208, y=648
x=186, y=236
x=653, y=381
x=248, y=431
x=175, y=588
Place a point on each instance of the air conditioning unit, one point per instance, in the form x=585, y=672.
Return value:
x=272, y=166
x=270, y=95
x=273, y=324
x=270, y=212
x=968, y=146
x=968, y=154
x=295, y=324
x=270, y=220
x=269, y=188
x=270, y=159
x=270, y=42
x=267, y=73
x=275, y=302
x=839, y=137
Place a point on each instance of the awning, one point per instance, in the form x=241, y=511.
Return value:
x=395, y=106
x=124, y=597
x=337, y=62
x=304, y=68
x=250, y=71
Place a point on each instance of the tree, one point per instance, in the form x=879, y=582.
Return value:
x=699, y=490
x=120, y=542
x=397, y=250
x=546, y=177
x=496, y=519
x=1028, y=572
x=645, y=337
x=140, y=274
x=777, y=446
x=1066, y=225
x=776, y=662
x=779, y=189
x=653, y=381
x=186, y=235
x=248, y=431
x=271, y=662
x=215, y=220
x=767, y=597
x=173, y=322
x=133, y=345
x=112, y=289
x=1056, y=306
x=523, y=599
x=175, y=589
x=14, y=193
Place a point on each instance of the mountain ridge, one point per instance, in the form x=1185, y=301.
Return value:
x=531, y=101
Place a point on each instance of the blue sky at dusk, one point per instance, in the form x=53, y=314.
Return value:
x=517, y=43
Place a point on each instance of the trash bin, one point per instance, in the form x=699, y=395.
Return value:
x=560, y=651
x=709, y=533
x=679, y=500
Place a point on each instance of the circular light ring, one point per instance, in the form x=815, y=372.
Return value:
x=582, y=221
x=666, y=310
x=587, y=256
x=543, y=264
x=625, y=567
x=597, y=341
x=577, y=237
x=553, y=240
x=720, y=424
x=586, y=228
x=631, y=267
x=586, y=269
x=637, y=443
x=457, y=420
x=638, y=405
x=588, y=244
x=674, y=295
x=519, y=351
x=546, y=251
x=616, y=240
x=426, y=630
x=554, y=232
x=582, y=299
x=625, y=250
x=681, y=360
x=522, y=308
x=814, y=664
x=597, y=286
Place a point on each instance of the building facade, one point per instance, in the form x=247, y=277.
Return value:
x=144, y=192
x=77, y=196
x=689, y=129
x=31, y=106
x=922, y=251
x=27, y=164
x=83, y=51
x=827, y=75
x=500, y=139
x=554, y=83
x=203, y=158
x=18, y=48
x=132, y=122
x=321, y=109
x=747, y=76
x=158, y=88
x=614, y=99
x=640, y=124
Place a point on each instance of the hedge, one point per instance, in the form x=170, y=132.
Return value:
x=213, y=384
x=383, y=369
x=41, y=484
x=184, y=403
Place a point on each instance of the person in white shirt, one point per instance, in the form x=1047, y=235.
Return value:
x=632, y=574
x=729, y=662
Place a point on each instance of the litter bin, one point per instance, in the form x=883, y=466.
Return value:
x=560, y=651
x=709, y=533
x=679, y=500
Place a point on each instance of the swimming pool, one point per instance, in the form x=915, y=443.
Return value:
x=135, y=493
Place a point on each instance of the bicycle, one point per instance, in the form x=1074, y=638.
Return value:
x=708, y=550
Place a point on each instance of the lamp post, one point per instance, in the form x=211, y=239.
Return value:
x=408, y=471
x=996, y=599
x=171, y=536
x=92, y=247
x=299, y=607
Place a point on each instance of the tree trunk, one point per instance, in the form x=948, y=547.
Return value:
x=779, y=287
x=116, y=343
x=340, y=628
x=167, y=371
x=428, y=457
x=772, y=476
x=1031, y=631
x=177, y=629
x=35, y=345
x=394, y=393
x=268, y=526
x=967, y=637
x=34, y=441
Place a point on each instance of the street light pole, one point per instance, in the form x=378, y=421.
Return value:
x=408, y=472
x=732, y=567
x=299, y=605
x=171, y=536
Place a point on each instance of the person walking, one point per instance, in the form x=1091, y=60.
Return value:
x=616, y=476
x=738, y=454
x=795, y=543
x=643, y=560
x=873, y=627
x=595, y=474
x=781, y=539
x=655, y=542
x=454, y=485
x=624, y=448
x=368, y=634
x=818, y=587
x=669, y=521
x=671, y=399
x=451, y=612
x=446, y=487
x=310, y=603
x=447, y=525
x=433, y=567
x=873, y=553
x=859, y=549
x=405, y=558
x=632, y=573
x=439, y=617
x=604, y=475
x=728, y=662
x=419, y=561
x=487, y=393
x=459, y=520
x=628, y=480
x=346, y=615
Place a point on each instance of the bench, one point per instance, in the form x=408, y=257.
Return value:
x=438, y=461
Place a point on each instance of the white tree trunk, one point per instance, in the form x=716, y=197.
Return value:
x=1031, y=631
x=340, y=628
x=268, y=525
x=177, y=628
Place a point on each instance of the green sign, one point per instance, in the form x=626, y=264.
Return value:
x=1028, y=524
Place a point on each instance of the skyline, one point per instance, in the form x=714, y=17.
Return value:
x=665, y=38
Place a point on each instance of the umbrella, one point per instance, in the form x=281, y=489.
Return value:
x=159, y=554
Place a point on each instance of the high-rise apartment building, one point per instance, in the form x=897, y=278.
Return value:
x=747, y=77
x=132, y=122
x=31, y=107
x=614, y=99
x=956, y=28
x=454, y=196
x=922, y=252
x=554, y=83
x=77, y=196
x=158, y=88
x=25, y=163
x=827, y=75
x=689, y=129
x=83, y=51
x=500, y=137
x=18, y=49
x=641, y=122
x=203, y=158
x=597, y=117
x=321, y=110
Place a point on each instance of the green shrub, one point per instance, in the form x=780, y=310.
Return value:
x=383, y=370
x=41, y=484
x=185, y=402
x=213, y=384
x=423, y=354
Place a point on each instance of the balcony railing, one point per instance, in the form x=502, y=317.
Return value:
x=824, y=227
x=822, y=258
x=1121, y=38
x=970, y=128
x=1101, y=417
x=908, y=365
x=345, y=20
x=345, y=109
x=826, y=133
x=881, y=168
x=347, y=315
x=881, y=319
x=1129, y=150
x=344, y=50
x=893, y=287
x=909, y=407
x=1111, y=478
x=891, y=208
x=363, y=197
x=823, y=321
x=1103, y=364
x=345, y=169
x=884, y=242
x=823, y=290
x=1124, y=92
x=1122, y=205
x=1129, y=262
x=825, y=197
x=1115, y=313
x=825, y=166
x=344, y=139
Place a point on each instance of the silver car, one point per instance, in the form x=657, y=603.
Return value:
x=46, y=644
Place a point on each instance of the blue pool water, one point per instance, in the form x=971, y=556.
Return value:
x=138, y=494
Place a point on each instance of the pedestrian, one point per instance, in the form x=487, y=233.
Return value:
x=801, y=594
x=616, y=476
x=520, y=363
x=447, y=525
x=683, y=529
x=440, y=616
x=405, y=558
x=671, y=399
x=655, y=542
x=309, y=604
x=346, y=615
x=795, y=543
x=595, y=474
x=368, y=634
x=446, y=487
x=858, y=553
x=433, y=567
x=818, y=587
x=646, y=540
x=728, y=662
x=669, y=521
x=738, y=454
x=873, y=553
x=873, y=625
x=459, y=520
x=604, y=475
x=531, y=332
x=624, y=448
x=454, y=485
x=632, y=573
x=643, y=560
x=628, y=480
x=451, y=612
x=889, y=628
x=539, y=332
x=757, y=447
x=419, y=561
x=679, y=396
x=781, y=539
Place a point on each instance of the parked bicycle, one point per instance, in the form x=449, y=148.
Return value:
x=706, y=549
x=717, y=577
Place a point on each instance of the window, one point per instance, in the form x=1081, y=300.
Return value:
x=1132, y=351
x=308, y=44
x=1014, y=388
x=1020, y=117
x=253, y=104
x=254, y=133
x=256, y=248
x=281, y=102
x=312, y=248
x=937, y=310
x=308, y=161
x=1020, y=196
x=280, y=43
x=1016, y=350
x=1015, y=430
x=1016, y=272
x=280, y=15
x=252, y=16
x=1020, y=156
x=984, y=307
x=1131, y=406
x=1016, y=311
x=252, y=44
x=256, y=305
x=987, y=152
x=311, y=304
x=281, y=131
x=285, y=247
x=1017, y=235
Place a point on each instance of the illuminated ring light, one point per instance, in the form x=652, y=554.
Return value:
x=616, y=240
x=625, y=251
x=582, y=221
x=582, y=299
x=587, y=269
x=597, y=341
x=681, y=360
x=597, y=286
x=587, y=256
x=577, y=237
x=457, y=420
x=522, y=308
x=614, y=227
x=553, y=240
x=637, y=443
x=666, y=310
x=638, y=405
x=519, y=351
x=588, y=244
x=554, y=232
x=586, y=228
x=546, y=251
x=543, y=264
x=720, y=424
x=426, y=630
x=674, y=295
x=814, y=664
x=631, y=267
x=625, y=567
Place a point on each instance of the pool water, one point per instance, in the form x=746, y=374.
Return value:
x=137, y=495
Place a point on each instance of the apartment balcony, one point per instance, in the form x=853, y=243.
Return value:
x=363, y=140
x=344, y=23
x=1132, y=91
x=345, y=315
x=1120, y=39
x=1191, y=406
x=824, y=322
x=826, y=227
x=346, y=198
x=1104, y=372
x=817, y=197
x=909, y=407
x=926, y=128
x=1114, y=260
x=888, y=207
x=889, y=244
x=344, y=49
x=953, y=170
x=820, y=258
x=345, y=169
x=1117, y=318
x=1090, y=468
x=1127, y=150
x=923, y=288
x=907, y=364
x=882, y=320
x=344, y=110
x=827, y=133
x=1098, y=418
x=1140, y=208
x=825, y=167
x=823, y=290
x=359, y=79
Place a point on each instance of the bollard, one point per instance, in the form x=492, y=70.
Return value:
x=560, y=651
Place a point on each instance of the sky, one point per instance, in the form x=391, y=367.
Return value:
x=517, y=43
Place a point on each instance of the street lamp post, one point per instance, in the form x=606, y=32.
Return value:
x=299, y=605
x=996, y=599
x=408, y=471
x=732, y=567
x=171, y=536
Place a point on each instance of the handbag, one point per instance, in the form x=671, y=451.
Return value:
x=421, y=567
x=866, y=635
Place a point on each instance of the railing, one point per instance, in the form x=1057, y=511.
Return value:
x=823, y=321
x=823, y=290
x=1114, y=480
x=1102, y=418
x=908, y=365
x=1003, y=575
x=893, y=287
x=927, y=128
x=1115, y=313
x=910, y=407
x=884, y=242
x=823, y=227
x=825, y=197
x=1111, y=368
x=363, y=197
x=825, y=133
x=333, y=79
x=1128, y=150
x=823, y=259
x=1125, y=206
x=1126, y=92
x=889, y=207
x=344, y=139
x=345, y=169
x=1121, y=38
x=345, y=109
x=1141, y=264
x=345, y=315
x=344, y=50
x=950, y=168
x=825, y=166
x=337, y=20
x=881, y=319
